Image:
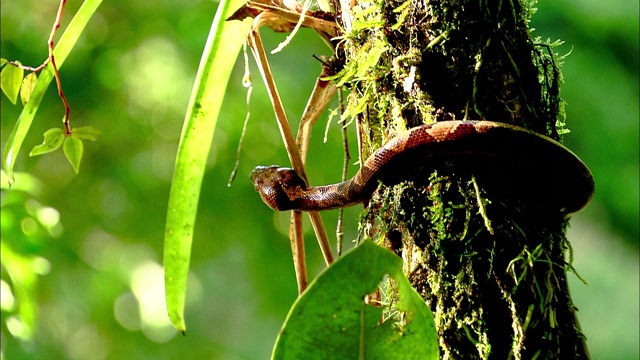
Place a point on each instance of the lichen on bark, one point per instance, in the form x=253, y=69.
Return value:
x=490, y=263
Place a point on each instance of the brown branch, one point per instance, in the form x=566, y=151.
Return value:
x=56, y=73
x=293, y=151
x=54, y=30
x=28, y=68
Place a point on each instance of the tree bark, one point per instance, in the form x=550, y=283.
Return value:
x=488, y=261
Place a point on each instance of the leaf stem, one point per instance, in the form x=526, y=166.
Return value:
x=28, y=68
x=51, y=58
x=56, y=26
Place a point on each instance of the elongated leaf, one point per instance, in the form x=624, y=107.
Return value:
x=331, y=320
x=61, y=51
x=10, y=80
x=73, y=149
x=86, y=133
x=53, y=138
x=223, y=45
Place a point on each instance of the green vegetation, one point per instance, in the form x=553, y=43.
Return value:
x=85, y=249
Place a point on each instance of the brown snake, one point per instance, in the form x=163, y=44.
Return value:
x=526, y=162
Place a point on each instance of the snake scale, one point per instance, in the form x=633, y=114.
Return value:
x=525, y=162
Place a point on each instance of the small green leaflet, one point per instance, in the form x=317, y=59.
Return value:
x=73, y=149
x=73, y=146
x=10, y=81
x=62, y=49
x=53, y=138
x=331, y=320
x=28, y=83
x=86, y=133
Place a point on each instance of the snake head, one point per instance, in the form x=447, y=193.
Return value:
x=274, y=184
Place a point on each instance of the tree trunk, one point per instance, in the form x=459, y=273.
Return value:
x=489, y=261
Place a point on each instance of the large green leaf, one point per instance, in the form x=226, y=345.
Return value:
x=223, y=45
x=61, y=51
x=332, y=321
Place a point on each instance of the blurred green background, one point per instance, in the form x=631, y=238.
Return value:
x=89, y=246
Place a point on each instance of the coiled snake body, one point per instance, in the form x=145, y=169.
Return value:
x=502, y=155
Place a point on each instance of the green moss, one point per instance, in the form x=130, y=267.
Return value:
x=489, y=263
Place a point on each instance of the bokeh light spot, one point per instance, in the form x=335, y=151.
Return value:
x=48, y=216
x=147, y=283
x=7, y=300
x=127, y=311
x=86, y=343
x=29, y=226
x=17, y=328
x=155, y=76
x=101, y=250
x=40, y=265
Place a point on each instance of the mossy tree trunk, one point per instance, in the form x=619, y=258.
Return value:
x=489, y=262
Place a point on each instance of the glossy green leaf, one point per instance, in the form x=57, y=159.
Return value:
x=10, y=80
x=3, y=61
x=331, y=320
x=61, y=51
x=28, y=83
x=53, y=138
x=86, y=133
x=73, y=149
x=223, y=45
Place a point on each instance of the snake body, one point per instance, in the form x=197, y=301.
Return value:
x=524, y=161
